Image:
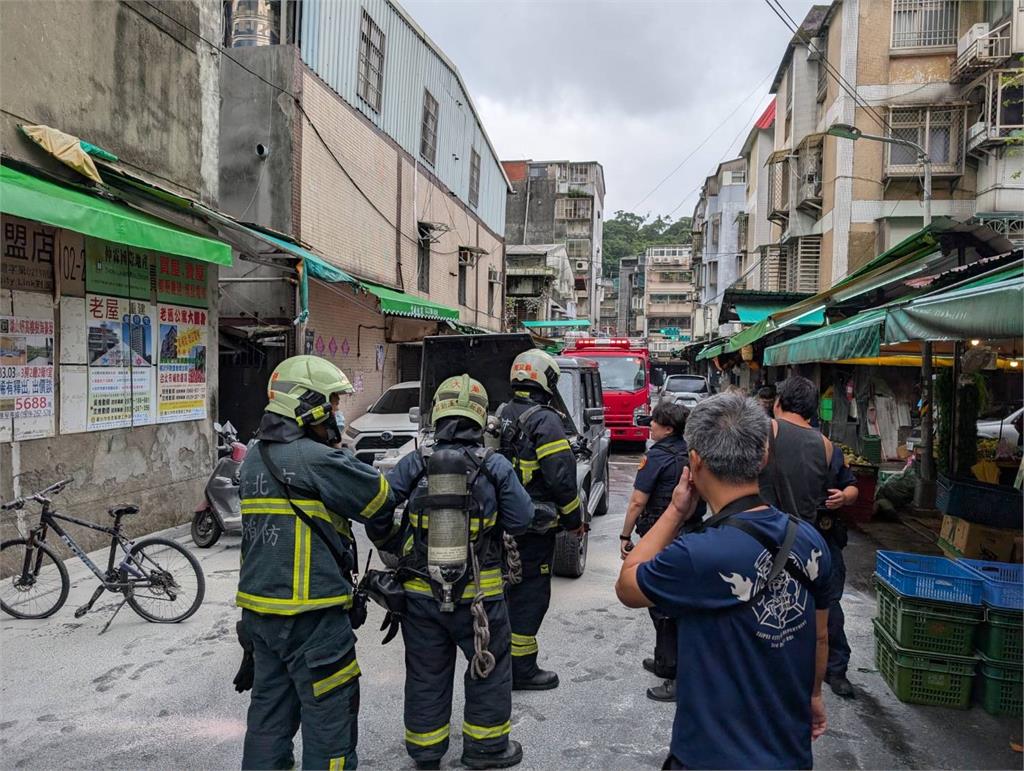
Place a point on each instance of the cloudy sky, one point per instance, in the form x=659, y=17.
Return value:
x=635, y=84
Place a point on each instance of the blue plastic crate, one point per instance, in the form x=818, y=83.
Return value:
x=929, y=578
x=1004, y=583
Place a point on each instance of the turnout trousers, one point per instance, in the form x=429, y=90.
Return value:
x=528, y=600
x=306, y=675
x=432, y=639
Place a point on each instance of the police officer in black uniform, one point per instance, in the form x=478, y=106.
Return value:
x=659, y=472
x=533, y=438
x=461, y=497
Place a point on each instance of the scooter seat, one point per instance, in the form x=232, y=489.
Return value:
x=122, y=510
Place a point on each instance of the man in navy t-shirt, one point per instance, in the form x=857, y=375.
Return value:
x=753, y=639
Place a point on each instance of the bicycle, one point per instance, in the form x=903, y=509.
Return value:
x=153, y=573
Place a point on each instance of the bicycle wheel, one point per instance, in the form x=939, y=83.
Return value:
x=165, y=583
x=35, y=582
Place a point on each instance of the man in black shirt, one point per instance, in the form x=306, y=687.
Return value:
x=802, y=477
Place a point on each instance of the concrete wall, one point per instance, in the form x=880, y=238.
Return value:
x=135, y=83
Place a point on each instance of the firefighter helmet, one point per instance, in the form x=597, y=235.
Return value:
x=536, y=366
x=460, y=396
x=300, y=388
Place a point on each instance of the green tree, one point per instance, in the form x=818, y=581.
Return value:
x=627, y=234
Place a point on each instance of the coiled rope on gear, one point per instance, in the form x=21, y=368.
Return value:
x=483, y=660
x=512, y=559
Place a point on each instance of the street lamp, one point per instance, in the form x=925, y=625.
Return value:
x=924, y=491
x=846, y=131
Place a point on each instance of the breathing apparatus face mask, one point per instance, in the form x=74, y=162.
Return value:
x=333, y=424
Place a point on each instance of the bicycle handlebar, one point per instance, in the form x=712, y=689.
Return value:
x=39, y=497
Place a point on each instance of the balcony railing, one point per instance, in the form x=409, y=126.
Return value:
x=986, y=51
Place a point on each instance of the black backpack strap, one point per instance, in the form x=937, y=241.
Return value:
x=781, y=553
x=275, y=471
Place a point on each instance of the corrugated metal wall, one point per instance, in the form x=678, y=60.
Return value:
x=330, y=35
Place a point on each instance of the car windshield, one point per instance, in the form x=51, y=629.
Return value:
x=396, y=401
x=686, y=384
x=567, y=385
x=622, y=373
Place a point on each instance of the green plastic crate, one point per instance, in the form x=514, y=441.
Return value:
x=929, y=627
x=1001, y=688
x=924, y=678
x=1001, y=637
x=871, y=448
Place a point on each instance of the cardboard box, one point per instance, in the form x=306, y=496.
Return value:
x=979, y=542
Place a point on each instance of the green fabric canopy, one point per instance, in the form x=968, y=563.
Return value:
x=752, y=314
x=556, y=323
x=24, y=195
x=395, y=303
x=988, y=309
x=852, y=338
x=710, y=352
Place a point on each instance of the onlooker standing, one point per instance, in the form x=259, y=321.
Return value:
x=659, y=472
x=801, y=477
x=749, y=591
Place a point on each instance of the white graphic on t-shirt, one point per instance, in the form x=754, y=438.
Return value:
x=783, y=602
x=811, y=568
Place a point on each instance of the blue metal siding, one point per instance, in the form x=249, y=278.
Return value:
x=330, y=47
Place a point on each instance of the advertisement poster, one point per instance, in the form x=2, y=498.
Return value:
x=110, y=404
x=181, y=384
x=26, y=367
x=27, y=254
x=143, y=412
x=116, y=269
x=181, y=281
x=120, y=332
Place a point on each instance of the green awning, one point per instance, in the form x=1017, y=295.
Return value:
x=395, y=303
x=317, y=266
x=553, y=323
x=853, y=338
x=710, y=352
x=767, y=325
x=752, y=314
x=985, y=309
x=24, y=195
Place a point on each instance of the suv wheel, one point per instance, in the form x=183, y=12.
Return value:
x=571, y=550
x=602, y=506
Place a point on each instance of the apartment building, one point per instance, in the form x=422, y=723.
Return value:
x=346, y=129
x=609, y=317
x=755, y=233
x=716, y=254
x=539, y=284
x=939, y=73
x=561, y=202
x=668, y=298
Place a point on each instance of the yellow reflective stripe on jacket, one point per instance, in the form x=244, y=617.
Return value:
x=423, y=521
x=559, y=445
x=339, y=678
x=491, y=584
x=288, y=607
x=374, y=506
x=524, y=644
x=486, y=732
x=428, y=738
x=302, y=560
x=336, y=764
x=314, y=509
x=570, y=507
x=526, y=468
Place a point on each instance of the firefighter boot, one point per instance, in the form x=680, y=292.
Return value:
x=512, y=755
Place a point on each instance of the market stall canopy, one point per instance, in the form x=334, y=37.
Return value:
x=852, y=338
x=556, y=323
x=395, y=303
x=710, y=352
x=24, y=195
x=752, y=314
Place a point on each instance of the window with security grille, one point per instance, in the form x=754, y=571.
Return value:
x=773, y=269
x=371, y=63
x=423, y=259
x=474, y=178
x=463, y=275
x=804, y=259
x=925, y=23
x=939, y=130
x=428, y=129
x=573, y=208
x=716, y=230
x=578, y=248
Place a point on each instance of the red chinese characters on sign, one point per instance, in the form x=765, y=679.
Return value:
x=182, y=316
x=180, y=280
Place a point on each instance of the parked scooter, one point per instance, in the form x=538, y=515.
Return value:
x=220, y=510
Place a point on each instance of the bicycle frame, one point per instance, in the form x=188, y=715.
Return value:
x=49, y=519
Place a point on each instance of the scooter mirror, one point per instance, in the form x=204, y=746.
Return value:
x=230, y=429
x=218, y=427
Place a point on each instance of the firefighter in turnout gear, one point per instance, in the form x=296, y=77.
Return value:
x=299, y=496
x=461, y=497
x=533, y=438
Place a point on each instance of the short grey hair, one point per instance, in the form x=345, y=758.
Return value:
x=730, y=433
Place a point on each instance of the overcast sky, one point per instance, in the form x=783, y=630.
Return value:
x=634, y=84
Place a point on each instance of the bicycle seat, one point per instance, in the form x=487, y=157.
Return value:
x=122, y=510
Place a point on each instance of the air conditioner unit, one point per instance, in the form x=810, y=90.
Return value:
x=494, y=275
x=974, y=32
x=581, y=264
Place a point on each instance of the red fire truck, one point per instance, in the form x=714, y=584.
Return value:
x=625, y=379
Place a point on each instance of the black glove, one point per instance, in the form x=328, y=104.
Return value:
x=247, y=669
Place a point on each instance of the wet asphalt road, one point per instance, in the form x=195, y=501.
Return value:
x=148, y=696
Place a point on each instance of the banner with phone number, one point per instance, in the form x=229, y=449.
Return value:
x=26, y=367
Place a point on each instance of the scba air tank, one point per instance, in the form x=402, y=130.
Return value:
x=448, y=523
